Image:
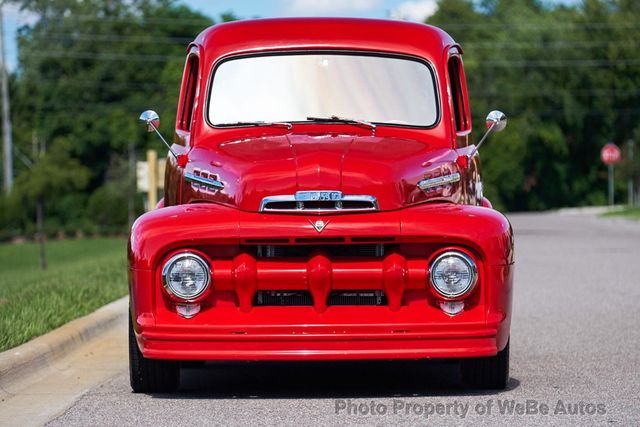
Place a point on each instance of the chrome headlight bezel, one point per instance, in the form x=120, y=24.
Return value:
x=166, y=270
x=473, y=274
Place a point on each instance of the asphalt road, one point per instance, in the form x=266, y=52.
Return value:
x=575, y=352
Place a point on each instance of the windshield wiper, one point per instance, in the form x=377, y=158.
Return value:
x=257, y=123
x=337, y=119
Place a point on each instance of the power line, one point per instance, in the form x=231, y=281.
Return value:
x=205, y=21
x=556, y=44
x=104, y=56
x=563, y=63
x=184, y=41
x=485, y=24
x=547, y=25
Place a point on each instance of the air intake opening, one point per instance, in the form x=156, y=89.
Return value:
x=370, y=250
x=282, y=298
x=356, y=297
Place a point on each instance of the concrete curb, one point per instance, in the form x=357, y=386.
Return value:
x=43, y=351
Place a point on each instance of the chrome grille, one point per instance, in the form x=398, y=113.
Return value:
x=305, y=251
x=318, y=201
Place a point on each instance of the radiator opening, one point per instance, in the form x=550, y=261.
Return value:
x=304, y=298
x=369, y=250
x=357, y=297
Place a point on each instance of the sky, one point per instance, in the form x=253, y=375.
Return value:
x=416, y=10
x=412, y=10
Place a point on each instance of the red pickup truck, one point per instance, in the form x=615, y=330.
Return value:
x=323, y=201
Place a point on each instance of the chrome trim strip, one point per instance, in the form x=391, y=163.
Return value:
x=207, y=182
x=337, y=202
x=270, y=199
x=438, y=181
x=362, y=198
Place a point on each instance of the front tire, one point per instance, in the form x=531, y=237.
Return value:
x=149, y=375
x=487, y=372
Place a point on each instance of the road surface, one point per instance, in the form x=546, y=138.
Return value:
x=575, y=356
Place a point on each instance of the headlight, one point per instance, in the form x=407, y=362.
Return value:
x=186, y=275
x=453, y=274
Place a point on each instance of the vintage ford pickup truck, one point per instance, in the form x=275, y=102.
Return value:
x=322, y=201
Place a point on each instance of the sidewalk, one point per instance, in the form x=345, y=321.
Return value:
x=52, y=384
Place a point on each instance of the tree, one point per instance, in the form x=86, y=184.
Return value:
x=53, y=174
x=86, y=70
x=567, y=77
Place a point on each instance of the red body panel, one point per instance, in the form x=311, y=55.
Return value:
x=410, y=226
x=411, y=326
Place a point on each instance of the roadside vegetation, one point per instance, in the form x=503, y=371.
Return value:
x=631, y=213
x=82, y=275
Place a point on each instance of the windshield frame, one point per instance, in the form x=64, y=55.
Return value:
x=346, y=52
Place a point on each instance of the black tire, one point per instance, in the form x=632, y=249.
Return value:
x=193, y=364
x=486, y=372
x=149, y=375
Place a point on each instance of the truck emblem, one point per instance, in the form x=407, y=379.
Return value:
x=319, y=225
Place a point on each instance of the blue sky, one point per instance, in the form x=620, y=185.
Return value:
x=414, y=10
x=361, y=8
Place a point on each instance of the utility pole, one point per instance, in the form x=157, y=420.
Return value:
x=7, y=147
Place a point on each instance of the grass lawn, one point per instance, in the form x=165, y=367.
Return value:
x=632, y=213
x=82, y=275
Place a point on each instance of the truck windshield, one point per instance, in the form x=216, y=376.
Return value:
x=297, y=87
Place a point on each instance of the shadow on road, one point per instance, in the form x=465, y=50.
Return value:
x=284, y=380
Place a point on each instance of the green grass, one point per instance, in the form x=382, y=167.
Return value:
x=82, y=275
x=632, y=213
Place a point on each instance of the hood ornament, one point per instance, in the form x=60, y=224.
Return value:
x=319, y=225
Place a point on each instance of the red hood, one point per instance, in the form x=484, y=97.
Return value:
x=386, y=168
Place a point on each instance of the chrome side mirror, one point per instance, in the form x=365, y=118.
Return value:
x=151, y=118
x=496, y=122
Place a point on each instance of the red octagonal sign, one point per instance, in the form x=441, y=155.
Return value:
x=610, y=154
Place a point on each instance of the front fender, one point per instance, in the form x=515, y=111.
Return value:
x=158, y=232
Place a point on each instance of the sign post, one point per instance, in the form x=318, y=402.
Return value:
x=610, y=155
x=630, y=192
x=150, y=178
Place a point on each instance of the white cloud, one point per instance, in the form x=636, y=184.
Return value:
x=415, y=10
x=327, y=7
x=12, y=13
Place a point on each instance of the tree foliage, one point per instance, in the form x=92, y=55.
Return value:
x=86, y=71
x=568, y=78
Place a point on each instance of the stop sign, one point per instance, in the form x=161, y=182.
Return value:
x=610, y=154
